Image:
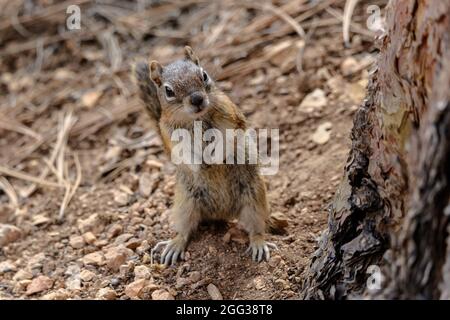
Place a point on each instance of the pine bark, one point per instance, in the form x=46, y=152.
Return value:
x=392, y=207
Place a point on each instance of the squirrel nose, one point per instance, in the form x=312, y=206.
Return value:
x=197, y=99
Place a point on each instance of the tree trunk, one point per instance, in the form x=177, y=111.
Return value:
x=392, y=207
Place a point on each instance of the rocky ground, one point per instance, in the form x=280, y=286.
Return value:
x=121, y=208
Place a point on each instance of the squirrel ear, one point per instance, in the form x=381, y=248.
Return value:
x=190, y=55
x=156, y=72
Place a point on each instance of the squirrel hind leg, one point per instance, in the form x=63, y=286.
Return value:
x=186, y=218
x=174, y=249
x=253, y=219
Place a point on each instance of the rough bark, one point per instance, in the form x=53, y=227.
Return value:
x=392, y=207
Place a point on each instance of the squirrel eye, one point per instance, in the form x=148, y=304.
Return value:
x=169, y=92
x=205, y=76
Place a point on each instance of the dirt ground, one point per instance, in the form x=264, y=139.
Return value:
x=101, y=246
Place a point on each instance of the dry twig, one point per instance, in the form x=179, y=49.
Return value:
x=24, y=176
x=9, y=191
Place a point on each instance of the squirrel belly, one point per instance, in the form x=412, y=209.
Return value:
x=221, y=191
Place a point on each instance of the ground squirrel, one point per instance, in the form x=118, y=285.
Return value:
x=175, y=96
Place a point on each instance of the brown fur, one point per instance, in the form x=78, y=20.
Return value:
x=214, y=192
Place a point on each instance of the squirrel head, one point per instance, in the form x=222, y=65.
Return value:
x=184, y=87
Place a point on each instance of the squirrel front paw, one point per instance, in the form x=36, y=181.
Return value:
x=260, y=248
x=174, y=249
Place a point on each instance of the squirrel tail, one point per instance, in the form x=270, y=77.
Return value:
x=277, y=223
x=147, y=91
